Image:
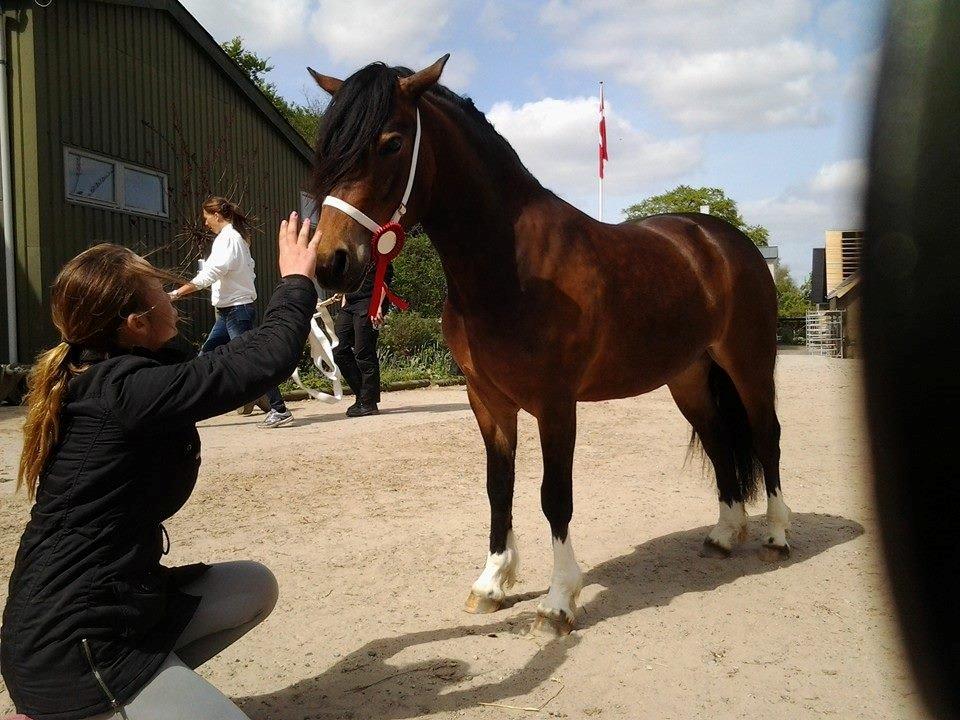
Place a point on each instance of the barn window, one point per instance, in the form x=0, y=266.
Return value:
x=92, y=179
x=144, y=191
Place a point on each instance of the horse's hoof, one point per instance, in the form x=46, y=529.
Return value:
x=711, y=548
x=774, y=553
x=480, y=605
x=549, y=627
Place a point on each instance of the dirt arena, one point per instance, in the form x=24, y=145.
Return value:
x=377, y=527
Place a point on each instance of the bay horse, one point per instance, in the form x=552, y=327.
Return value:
x=547, y=307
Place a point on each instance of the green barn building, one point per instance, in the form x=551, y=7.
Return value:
x=121, y=116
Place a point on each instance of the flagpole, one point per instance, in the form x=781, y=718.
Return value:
x=600, y=207
x=600, y=213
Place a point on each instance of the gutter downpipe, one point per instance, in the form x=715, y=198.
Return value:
x=10, y=268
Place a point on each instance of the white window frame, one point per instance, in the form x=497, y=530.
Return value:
x=68, y=152
x=119, y=166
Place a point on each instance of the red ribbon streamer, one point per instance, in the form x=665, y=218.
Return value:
x=383, y=259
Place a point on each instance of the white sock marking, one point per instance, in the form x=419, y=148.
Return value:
x=564, y=585
x=731, y=526
x=500, y=572
x=778, y=520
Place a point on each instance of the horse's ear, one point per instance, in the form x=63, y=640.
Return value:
x=330, y=84
x=418, y=83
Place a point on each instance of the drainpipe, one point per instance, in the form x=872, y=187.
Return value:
x=10, y=260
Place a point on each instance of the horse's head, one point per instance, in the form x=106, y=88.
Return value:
x=364, y=155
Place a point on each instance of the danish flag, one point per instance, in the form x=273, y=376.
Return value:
x=603, y=134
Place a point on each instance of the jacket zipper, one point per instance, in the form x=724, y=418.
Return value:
x=117, y=707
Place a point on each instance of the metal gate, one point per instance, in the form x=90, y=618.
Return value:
x=825, y=333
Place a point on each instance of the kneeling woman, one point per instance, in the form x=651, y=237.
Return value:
x=95, y=626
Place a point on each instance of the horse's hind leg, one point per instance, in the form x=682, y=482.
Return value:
x=775, y=545
x=558, y=436
x=691, y=391
x=755, y=385
x=498, y=425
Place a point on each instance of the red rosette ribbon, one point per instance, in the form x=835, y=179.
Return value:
x=385, y=245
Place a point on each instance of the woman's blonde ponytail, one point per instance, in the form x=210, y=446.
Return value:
x=46, y=385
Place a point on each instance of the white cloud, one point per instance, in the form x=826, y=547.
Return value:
x=557, y=140
x=493, y=22
x=701, y=25
x=766, y=86
x=395, y=31
x=563, y=15
x=797, y=219
x=839, y=18
x=706, y=64
x=264, y=26
x=844, y=177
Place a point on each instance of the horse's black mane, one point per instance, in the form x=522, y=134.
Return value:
x=358, y=111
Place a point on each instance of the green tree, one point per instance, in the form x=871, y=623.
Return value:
x=792, y=301
x=305, y=118
x=418, y=276
x=684, y=198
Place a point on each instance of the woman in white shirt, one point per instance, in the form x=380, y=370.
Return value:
x=229, y=273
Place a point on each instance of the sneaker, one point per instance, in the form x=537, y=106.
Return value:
x=362, y=410
x=276, y=419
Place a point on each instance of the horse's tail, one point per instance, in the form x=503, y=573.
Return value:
x=734, y=432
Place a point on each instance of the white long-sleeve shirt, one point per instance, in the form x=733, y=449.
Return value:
x=228, y=272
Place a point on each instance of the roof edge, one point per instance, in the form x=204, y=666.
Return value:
x=846, y=286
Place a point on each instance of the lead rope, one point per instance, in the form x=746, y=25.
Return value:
x=322, y=342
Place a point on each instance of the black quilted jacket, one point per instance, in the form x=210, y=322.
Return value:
x=91, y=613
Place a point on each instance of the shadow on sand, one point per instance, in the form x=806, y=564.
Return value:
x=299, y=419
x=364, y=685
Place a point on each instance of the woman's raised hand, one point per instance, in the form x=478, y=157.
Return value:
x=298, y=251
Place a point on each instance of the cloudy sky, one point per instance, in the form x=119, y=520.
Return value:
x=765, y=99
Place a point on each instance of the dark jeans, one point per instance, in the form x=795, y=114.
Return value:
x=231, y=323
x=356, y=355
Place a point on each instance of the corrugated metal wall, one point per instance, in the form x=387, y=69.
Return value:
x=129, y=83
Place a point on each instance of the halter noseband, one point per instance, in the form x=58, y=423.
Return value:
x=387, y=240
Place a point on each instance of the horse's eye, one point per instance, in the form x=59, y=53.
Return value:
x=391, y=146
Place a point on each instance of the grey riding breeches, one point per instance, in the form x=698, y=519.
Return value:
x=234, y=598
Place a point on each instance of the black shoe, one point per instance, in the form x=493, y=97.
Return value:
x=361, y=410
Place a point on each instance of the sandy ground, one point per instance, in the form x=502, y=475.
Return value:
x=376, y=529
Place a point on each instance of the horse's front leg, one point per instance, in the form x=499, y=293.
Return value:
x=498, y=425
x=558, y=434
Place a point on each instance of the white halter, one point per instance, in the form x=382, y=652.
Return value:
x=364, y=219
